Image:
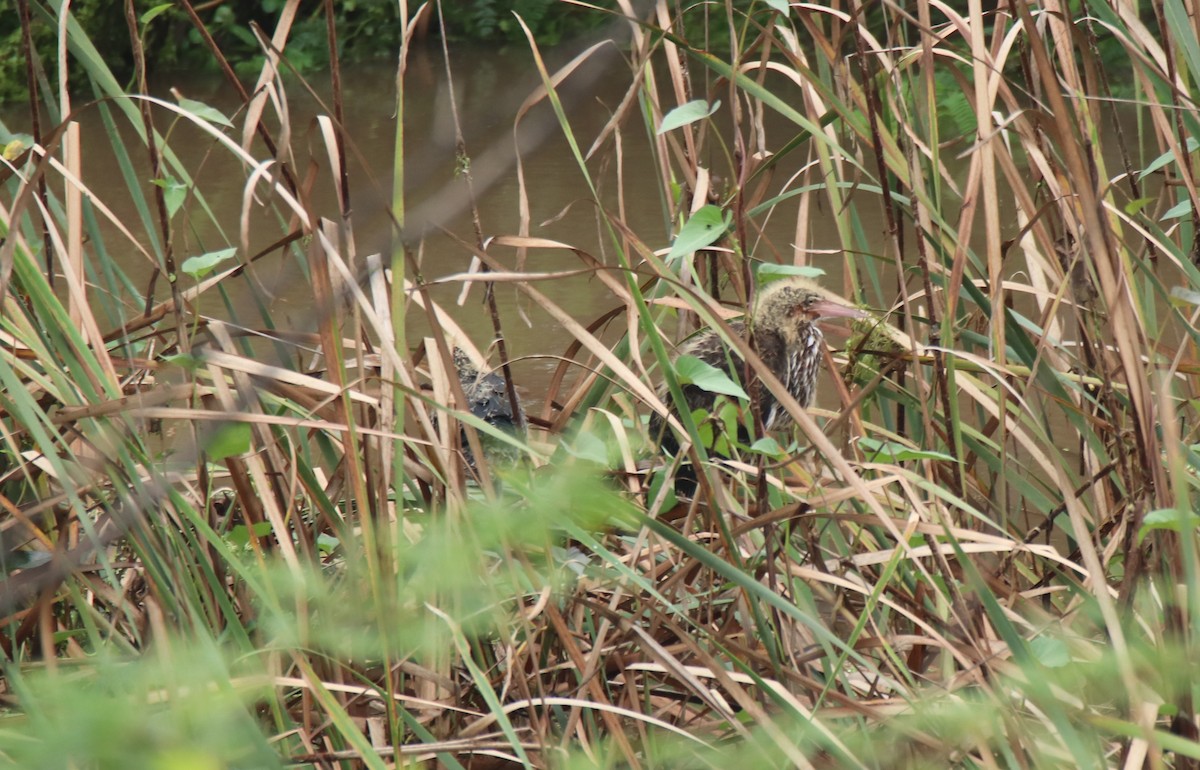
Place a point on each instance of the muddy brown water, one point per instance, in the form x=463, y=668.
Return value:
x=490, y=87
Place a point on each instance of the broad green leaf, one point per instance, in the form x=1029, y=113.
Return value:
x=174, y=193
x=687, y=113
x=588, y=446
x=1165, y=158
x=897, y=452
x=670, y=500
x=154, y=13
x=1185, y=295
x=704, y=428
x=229, y=440
x=187, y=759
x=17, y=145
x=692, y=370
x=704, y=228
x=1181, y=209
x=1050, y=651
x=1136, y=205
x=767, y=446
x=728, y=416
x=769, y=271
x=240, y=534
x=779, y=5
x=184, y=361
x=204, y=112
x=198, y=267
x=1168, y=518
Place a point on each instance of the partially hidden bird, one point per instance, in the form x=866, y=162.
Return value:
x=784, y=325
x=487, y=399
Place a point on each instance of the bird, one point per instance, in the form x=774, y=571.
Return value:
x=487, y=399
x=788, y=339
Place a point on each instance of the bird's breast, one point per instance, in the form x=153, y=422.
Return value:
x=803, y=364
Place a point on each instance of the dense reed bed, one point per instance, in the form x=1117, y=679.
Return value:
x=231, y=543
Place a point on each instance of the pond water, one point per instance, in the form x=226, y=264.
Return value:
x=490, y=87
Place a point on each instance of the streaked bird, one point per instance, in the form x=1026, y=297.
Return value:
x=786, y=334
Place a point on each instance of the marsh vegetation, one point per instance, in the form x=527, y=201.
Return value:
x=238, y=538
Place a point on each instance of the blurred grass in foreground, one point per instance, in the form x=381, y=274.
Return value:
x=980, y=552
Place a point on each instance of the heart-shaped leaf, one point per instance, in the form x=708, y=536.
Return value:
x=692, y=370
x=204, y=112
x=1050, y=651
x=1168, y=518
x=769, y=271
x=174, y=193
x=687, y=113
x=704, y=228
x=198, y=267
x=229, y=440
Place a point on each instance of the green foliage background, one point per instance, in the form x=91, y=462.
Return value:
x=367, y=29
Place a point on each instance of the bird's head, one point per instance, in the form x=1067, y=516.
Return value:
x=464, y=365
x=793, y=304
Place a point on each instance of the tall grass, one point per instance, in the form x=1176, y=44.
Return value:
x=243, y=544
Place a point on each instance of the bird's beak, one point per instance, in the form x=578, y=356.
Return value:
x=826, y=308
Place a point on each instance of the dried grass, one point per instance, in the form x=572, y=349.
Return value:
x=984, y=557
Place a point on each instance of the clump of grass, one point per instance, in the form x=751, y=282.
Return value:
x=979, y=550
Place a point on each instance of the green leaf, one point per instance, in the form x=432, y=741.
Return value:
x=779, y=5
x=240, y=535
x=1165, y=158
x=187, y=759
x=897, y=452
x=687, y=113
x=692, y=370
x=767, y=446
x=728, y=421
x=1134, y=206
x=704, y=228
x=16, y=146
x=1179, y=210
x=1168, y=518
x=1050, y=651
x=704, y=428
x=154, y=13
x=670, y=500
x=204, y=112
x=1182, y=295
x=587, y=446
x=769, y=271
x=198, y=267
x=184, y=361
x=174, y=193
x=229, y=440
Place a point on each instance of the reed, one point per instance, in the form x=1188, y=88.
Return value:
x=258, y=545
